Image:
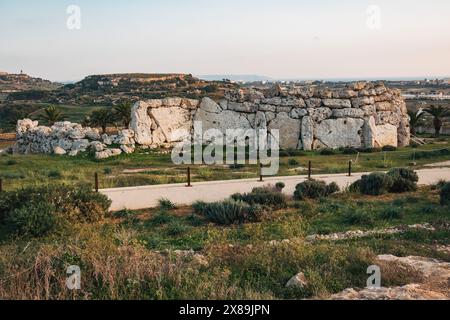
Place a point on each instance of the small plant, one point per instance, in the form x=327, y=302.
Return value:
x=230, y=212
x=314, y=189
x=107, y=170
x=438, y=185
x=11, y=162
x=293, y=162
x=392, y=213
x=161, y=218
x=54, y=174
x=124, y=213
x=269, y=196
x=199, y=207
x=176, y=229
x=280, y=186
x=166, y=205
x=327, y=152
x=445, y=194
x=349, y=151
x=389, y=148
x=358, y=217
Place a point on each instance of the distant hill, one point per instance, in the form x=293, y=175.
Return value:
x=22, y=82
x=236, y=77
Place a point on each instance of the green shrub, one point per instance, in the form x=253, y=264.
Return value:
x=166, y=204
x=161, y=218
x=389, y=148
x=403, y=180
x=54, y=174
x=375, y=184
x=431, y=154
x=124, y=213
x=358, y=217
x=107, y=170
x=293, y=162
x=11, y=162
x=314, y=189
x=230, y=212
x=327, y=152
x=199, y=207
x=33, y=219
x=266, y=196
x=74, y=204
x=445, y=194
x=280, y=186
x=175, y=229
x=369, y=150
x=438, y=185
x=391, y=213
x=349, y=151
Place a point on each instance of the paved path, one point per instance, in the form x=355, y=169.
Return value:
x=147, y=197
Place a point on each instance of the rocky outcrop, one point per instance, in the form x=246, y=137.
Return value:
x=65, y=138
x=359, y=115
x=435, y=277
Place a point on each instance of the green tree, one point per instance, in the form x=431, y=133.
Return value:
x=100, y=118
x=122, y=113
x=438, y=113
x=51, y=115
x=415, y=120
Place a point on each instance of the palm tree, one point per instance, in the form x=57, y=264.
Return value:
x=122, y=113
x=100, y=118
x=51, y=115
x=438, y=113
x=415, y=120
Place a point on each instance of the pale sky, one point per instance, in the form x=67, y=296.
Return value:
x=277, y=38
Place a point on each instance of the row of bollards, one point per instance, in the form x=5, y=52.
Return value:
x=189, y=183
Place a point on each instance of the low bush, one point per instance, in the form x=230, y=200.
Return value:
x=166, y=204
x=280, y=186
x=403, y=180
x=54, y=174
x=34, y=220
x=431, y=154
x=368, y=150
x=314, y=189
x=72, y=204
x=389, y=148
x=327, y=152
x=161, y=218
x=230, y=212
x=375, y=184
x=392, y=213
x=293, y=162
x=358, y=217
x=269, y=196
x=107, y=170
x=349, y=151
x=445, y=194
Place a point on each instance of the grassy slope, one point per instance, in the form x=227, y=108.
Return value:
x=118, y=257
x=157, y=168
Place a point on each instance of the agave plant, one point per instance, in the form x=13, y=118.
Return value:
x=51, y=115
x=438, y=113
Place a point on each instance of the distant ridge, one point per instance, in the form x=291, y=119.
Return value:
x=235, y=77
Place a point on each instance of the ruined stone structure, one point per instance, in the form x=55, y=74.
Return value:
x=360, y=115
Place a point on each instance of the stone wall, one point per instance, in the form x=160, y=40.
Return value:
x=360, y=115
x=365, y=115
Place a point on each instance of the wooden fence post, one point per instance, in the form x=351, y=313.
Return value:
x=350, y=168
x=189, y=177
x=96, y=181
x=309, y=169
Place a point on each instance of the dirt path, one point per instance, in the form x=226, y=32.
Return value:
x=147, y=196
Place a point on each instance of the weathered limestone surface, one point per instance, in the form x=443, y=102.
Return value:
x=359, y=115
